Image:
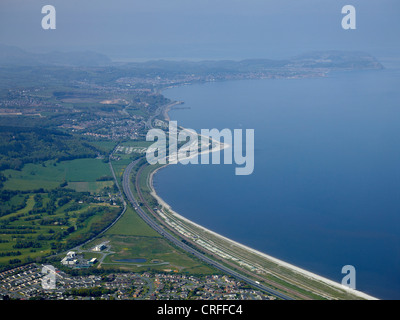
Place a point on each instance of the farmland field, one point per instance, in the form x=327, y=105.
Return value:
x=50, y=174
x=52, y=206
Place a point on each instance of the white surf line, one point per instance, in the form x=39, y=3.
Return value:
x=218, y=147
x=291, y=267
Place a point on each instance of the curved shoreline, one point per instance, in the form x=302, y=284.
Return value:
x=279, y=262
x=287, y=265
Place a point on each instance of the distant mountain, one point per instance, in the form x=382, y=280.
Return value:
x=329, y=60
x=337, y=60
x=14, y=56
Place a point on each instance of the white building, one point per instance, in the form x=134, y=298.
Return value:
x=99, y=247
x=69, y=259
x=71, y=254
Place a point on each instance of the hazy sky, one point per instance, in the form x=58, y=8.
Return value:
x=212, y=29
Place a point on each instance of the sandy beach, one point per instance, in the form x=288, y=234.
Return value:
x=216, y=148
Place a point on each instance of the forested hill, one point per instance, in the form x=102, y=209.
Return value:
x=21, y=145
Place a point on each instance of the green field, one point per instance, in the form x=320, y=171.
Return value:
x=52, y=206
x=136, y=143
x=50, y=221
x=106, y=146
x=160, y=256
x=90, y=186
x=51, y=174
x=120, y=165
x=132, y=225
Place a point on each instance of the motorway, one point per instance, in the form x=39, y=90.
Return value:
x=128, y=192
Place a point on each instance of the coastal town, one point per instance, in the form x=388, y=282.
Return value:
x=26, y=283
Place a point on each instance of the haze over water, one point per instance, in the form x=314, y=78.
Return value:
x=325, y=191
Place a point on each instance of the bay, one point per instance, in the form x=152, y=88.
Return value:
x=325, y=191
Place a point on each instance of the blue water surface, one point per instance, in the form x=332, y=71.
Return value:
x=325, y=191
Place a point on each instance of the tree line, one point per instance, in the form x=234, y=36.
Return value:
x=22, y=145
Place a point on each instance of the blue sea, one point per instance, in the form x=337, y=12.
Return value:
x=325, y=191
